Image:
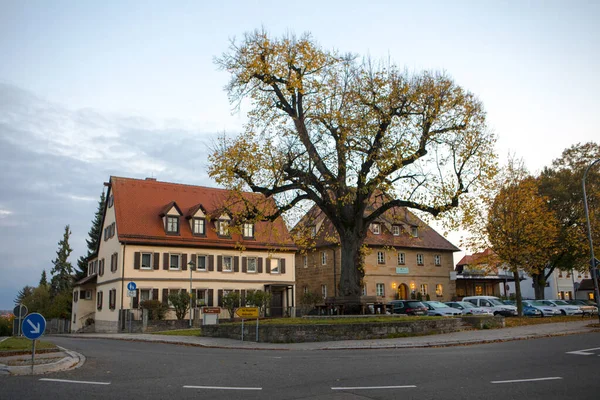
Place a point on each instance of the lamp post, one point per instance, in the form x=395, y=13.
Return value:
x=191, y=267
x=589, y=227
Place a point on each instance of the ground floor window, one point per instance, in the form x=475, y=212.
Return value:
x=324, y=291
x=424, y=289
x=380, y=289
x=439, y=290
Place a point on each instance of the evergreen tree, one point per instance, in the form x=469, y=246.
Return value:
x=44, y=279
x=23, y=294
x=92, y=243
x=62, y=270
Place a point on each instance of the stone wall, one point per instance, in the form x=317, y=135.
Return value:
x=329, y=332
x=101, y=326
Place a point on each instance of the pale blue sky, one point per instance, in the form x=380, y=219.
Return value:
x=76, y=75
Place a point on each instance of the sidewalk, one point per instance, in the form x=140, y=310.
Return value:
x=447, y=339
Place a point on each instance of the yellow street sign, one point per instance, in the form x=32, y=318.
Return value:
x=247, y=312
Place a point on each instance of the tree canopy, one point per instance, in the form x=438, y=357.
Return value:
x=339, y=132
x=92, y=241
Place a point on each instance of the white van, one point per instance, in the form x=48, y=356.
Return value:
x=494, y=303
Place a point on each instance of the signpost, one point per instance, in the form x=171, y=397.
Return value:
x=131, y=293
x=20, y=312
x=33, y=327
x=248, y=312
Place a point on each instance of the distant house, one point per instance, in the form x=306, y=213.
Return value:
x=405, y=256
x=153, y=230
x=482, y=274
x=564, y=285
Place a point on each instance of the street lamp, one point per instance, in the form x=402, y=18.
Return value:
x=191, y=267
x=589, y=227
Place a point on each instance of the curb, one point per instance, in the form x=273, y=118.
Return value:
x=73, y=360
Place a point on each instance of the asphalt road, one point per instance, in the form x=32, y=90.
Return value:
x=527, y=369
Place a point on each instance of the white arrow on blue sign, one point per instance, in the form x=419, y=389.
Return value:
x=33, y=326
x=131, y=286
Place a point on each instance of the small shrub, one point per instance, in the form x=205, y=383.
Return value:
x=427, y=298
x=419, y=296
x=156, y=309
x=6, y=325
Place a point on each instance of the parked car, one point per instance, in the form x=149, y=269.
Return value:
x=468, y=308
x=585, y=306
x=437, y=308
x=498, y=308
x=564, y=307
x=545, y=310
x=409, y=307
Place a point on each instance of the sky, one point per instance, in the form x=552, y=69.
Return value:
x=93, y=89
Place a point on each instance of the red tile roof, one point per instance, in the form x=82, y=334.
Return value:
x=139, y=205
x=427, y=238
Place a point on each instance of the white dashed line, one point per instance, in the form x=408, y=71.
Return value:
x=373, y=387
x=69, y=381
x=551, y=378
x=221, y=387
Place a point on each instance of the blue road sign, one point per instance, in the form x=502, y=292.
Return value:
x=34, y=326
x=131, y=286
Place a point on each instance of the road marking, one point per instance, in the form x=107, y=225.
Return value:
x=69, y=381
x=551, y=378
x=221, y=387
x=373, y=387
x=584, y=352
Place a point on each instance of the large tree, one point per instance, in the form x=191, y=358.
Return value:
x=94, y=236
x=345, y=134
x=520, y=226
x=561, y=184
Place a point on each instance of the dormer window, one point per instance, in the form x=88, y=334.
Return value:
x=376, y=229
x=414, y=231
x=199, y=226
x=248, y=230
x=313, y=231
x=396, y=230
x=223, y=228
x=172, y=224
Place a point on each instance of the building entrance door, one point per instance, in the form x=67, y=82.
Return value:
x=403, y=292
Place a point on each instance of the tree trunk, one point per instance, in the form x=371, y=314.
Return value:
x=351, y=267
x=539, y=285
x=518, y=292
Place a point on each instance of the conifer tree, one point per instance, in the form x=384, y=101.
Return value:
x=44, y=279
x=62, y=270
x=93, y=240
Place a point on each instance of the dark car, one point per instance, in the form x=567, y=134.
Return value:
x=409, y=307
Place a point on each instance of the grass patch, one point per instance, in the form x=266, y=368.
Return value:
x=24, y=344
x=180, y=332
x=512, y=322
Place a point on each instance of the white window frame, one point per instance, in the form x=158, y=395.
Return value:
x=172, y=221
x=437, y=259
x=323, y=258
x=255, y=269
x=171, y=255
x=276, y=268
x=381, y=257
x=149, y=294
x=199, y=226
x=205, y=258
x=364, y=289
x=420, y=259
x=313, y=231
x=230, y=266
x=324, y=291
x=223, y=227
x=204, y=297
x=88, y=294
x=305, y=290
x=305, y=261
x=375, y=228
x=424, y=289
x=414, y=231
x=396, y=230
x=401, y=258
x=248, y=230
x=149, y=266
x=380, y=289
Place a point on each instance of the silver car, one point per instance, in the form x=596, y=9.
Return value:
x=546, y=310
x=468, y=308
x=564, y=307
x=437, y=308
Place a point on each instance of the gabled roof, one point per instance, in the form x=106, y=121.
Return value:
x=487, y=259
x=88, y=279
x=427, y=238
x=139, y=203
x=193, y=210
x=168, y=208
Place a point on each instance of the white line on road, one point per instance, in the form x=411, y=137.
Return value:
x=550, y=378
x=373, y=387
x=221, y=387
x=584, y=352
x=69, y=381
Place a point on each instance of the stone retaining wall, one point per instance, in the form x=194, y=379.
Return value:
x=327, y=332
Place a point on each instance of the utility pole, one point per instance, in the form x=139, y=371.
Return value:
x=593, y=267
